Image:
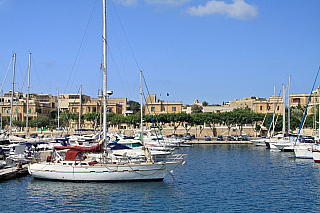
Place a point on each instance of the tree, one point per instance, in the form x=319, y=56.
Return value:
x=196, y=108
x=19, y=124
x=205, y=103
x=134, y=106
x=92, y=118
x=133, y=119
x=54, y=113
x=5, y=121
x=211, y=119
x=199, y=121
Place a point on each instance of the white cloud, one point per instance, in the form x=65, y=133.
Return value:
x=128, y=2
x=167, y=2
x=238, y=9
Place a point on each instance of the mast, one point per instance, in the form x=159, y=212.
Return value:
x=11, y=105
x=28, y=95
x=289, y=107
x=58, y=111
x=80, y=107
x=274, y=109
x=141, y=106
x=319, y=113
x=104, y=70
x=283, y=111
x=315, y=114
x=1, y=106
x=99, y=96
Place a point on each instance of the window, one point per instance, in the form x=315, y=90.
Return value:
x=29, y=110
x=74, y=110
x=110, y=110
x=152, y=109
x=17, y=110
x=268, y=107
x=278, y=108
x=174, y=109
x=163, y=109
x=261, y=108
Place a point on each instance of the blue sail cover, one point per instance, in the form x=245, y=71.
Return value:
x=116, y=146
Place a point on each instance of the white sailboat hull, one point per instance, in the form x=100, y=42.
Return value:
x=303, y=153
x=316, y=156
x=103, y=172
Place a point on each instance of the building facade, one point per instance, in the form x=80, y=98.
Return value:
x=155, y=106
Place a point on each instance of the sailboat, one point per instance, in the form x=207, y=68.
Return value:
x=76, y=166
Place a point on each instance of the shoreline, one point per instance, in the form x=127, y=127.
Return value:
x=203, y=141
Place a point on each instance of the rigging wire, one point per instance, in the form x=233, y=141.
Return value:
x=126, y=36
x=145, y=83
x=120, y=52
x=25, y=75
x=82, y=41
x=305, y=112
x=6, y=74
x=35, y=70
x=111, y=55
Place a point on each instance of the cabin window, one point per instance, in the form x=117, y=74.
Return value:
x=83, y=164
x=70, y=164
x=64, y=164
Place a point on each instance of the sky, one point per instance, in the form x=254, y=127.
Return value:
x=212, y=50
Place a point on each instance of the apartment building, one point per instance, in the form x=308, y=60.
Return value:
x=159, y=106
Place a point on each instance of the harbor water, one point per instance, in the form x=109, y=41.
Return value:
x=215, y=178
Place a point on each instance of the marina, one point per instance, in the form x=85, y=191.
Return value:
x=81, y=150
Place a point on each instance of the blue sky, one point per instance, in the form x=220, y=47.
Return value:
x=215, y=51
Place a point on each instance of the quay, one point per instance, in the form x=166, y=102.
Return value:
x=215, y=141
x=13, y=172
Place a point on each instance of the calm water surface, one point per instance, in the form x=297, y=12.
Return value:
x=216, y=178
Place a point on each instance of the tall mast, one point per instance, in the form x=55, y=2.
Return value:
x=104, y=70
x=80, y=107
x=58, y=111
x=319, y=113
x=315, y=114
x=28, y=95
x=1, y=107
x=289, y=107
x=141, y=106
x=11, y=105
x=274, y=109
x=99, y=96
x=283, y=110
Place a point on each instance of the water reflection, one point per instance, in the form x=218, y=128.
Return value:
x=216, y=178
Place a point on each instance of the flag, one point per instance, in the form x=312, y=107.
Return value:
x=167, y=94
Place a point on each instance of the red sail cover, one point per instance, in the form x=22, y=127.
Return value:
x=72, y=155
x=84, y=149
